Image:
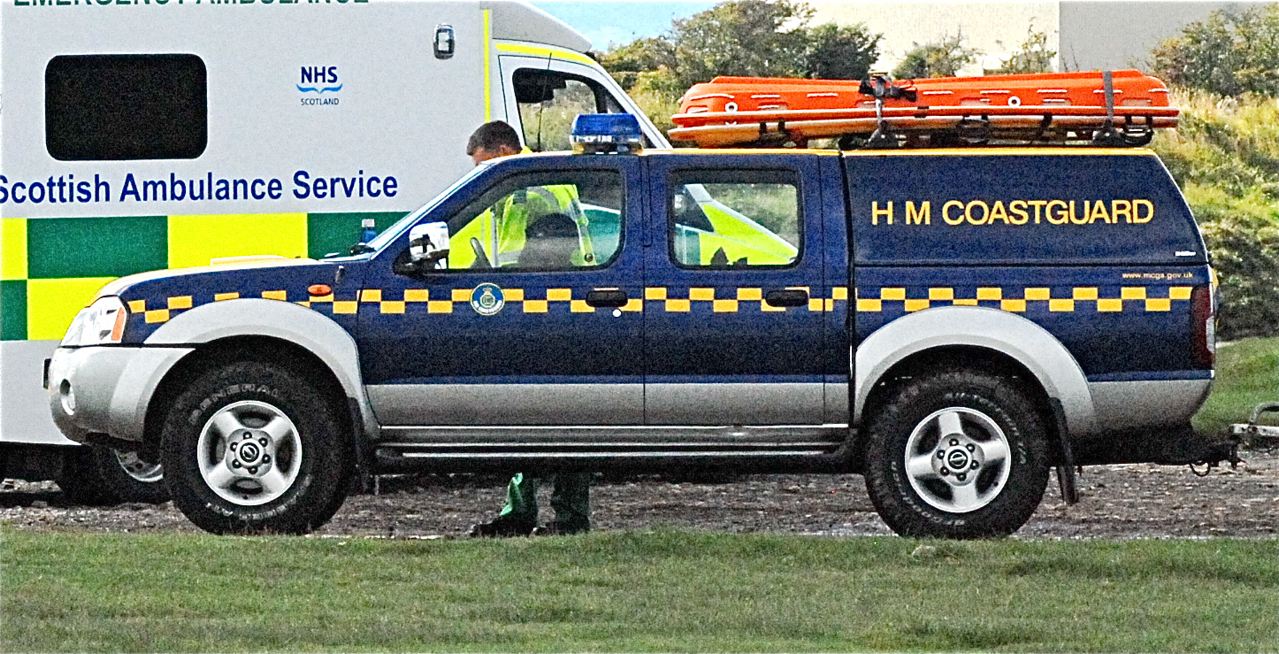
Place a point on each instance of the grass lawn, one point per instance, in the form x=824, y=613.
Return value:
x=1247, y=375
x=633, y=592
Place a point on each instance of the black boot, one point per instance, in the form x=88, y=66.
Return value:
x=558, y=528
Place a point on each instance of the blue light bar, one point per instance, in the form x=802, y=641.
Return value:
x=602, y=133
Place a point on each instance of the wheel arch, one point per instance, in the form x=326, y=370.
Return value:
x=263, y=330
x=980, y=337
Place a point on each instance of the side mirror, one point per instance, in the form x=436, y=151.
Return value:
x=429, y=245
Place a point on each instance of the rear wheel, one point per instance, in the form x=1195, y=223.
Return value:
x=255, y=447
x=956, y=454
x=102, y=476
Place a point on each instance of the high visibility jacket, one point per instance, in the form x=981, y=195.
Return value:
x=500, y=228
x=520, y=209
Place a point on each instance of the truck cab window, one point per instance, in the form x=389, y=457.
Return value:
x=735, y=219
x=543, y=223
x=550, y=100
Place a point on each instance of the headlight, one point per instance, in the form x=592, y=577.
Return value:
x=101, y=323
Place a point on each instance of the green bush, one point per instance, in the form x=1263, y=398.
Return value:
x=1225, y=156
x=1230, y=52
x=1243, y=235
x=941, y=58
x=1225, y=142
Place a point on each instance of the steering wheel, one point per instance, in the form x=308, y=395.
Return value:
x=481, y=259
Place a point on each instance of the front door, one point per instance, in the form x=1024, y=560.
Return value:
x=535, y=321
x=734, y=292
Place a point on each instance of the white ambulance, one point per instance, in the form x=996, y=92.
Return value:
x=148, y=134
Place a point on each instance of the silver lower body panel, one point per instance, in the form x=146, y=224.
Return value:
x=731, y=403
x=507, y=404
x=1126, y=405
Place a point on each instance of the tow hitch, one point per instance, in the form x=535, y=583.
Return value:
x=1214, y=454
x=1253, y=432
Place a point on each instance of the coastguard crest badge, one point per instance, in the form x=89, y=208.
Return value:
x=487, y=299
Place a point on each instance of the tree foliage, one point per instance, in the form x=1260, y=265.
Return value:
x=839, y=52
x=741, y=37
x=1228, y=53
x=1032, y=56
x=643, y=63
x=759, y=38
x=941, y=58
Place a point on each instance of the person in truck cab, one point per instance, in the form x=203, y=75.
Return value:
x=512, y=216
x=547, y=241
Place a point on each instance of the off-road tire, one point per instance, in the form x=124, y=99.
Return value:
x=93, y=475
x=998, y=397
x=323, y=477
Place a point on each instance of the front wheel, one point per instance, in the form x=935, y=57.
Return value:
x=956, y=454
x=254, y=447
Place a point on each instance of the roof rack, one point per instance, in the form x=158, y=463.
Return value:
x=1114, y=109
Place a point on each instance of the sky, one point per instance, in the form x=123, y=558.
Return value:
x=616, y=23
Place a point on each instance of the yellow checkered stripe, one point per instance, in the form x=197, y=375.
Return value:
x=732, y=300
x=166, y=310
x=539, y=301
x=408, y=301
x=1021, y=300
x=423, y=301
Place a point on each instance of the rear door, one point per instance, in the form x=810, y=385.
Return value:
x=734, y=298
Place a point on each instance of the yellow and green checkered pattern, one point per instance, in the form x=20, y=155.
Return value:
x=52, y=267
x=422, y=301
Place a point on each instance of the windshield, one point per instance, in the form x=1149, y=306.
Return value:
x=402, y=225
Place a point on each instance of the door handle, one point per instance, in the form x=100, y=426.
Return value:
x=791, y=297
x=607, y=297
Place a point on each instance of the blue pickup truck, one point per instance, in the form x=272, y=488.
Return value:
x=949, y=323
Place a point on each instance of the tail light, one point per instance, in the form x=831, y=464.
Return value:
x=1203, y=330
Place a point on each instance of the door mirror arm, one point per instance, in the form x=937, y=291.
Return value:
x=406, y=266
x=428, y=249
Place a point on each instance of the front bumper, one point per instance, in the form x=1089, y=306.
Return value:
x=106, y=390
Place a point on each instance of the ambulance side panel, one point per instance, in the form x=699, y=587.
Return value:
x=1079, y=266
x=293, y=93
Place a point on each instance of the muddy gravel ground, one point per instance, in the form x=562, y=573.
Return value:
x=1129, y=501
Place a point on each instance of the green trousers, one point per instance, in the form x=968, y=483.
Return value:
x=571, y=498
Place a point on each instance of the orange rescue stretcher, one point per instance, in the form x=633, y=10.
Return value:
x=1102, y=107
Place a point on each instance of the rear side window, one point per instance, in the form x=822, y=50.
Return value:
x=124, y=107
x=734, y=219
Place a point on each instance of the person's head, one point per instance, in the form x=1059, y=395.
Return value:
x=549, y=243
x=492, y=140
